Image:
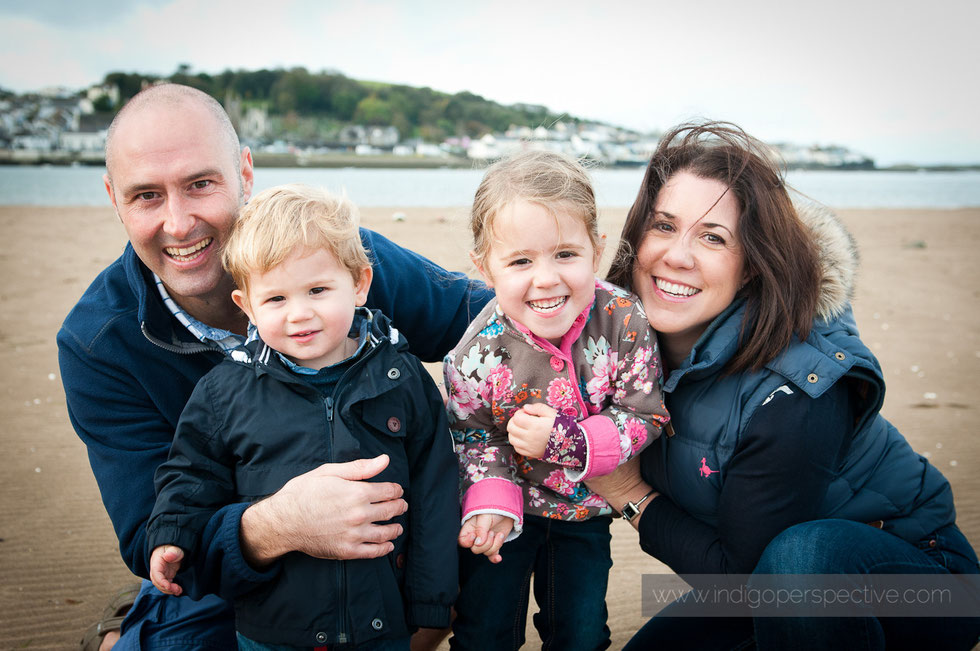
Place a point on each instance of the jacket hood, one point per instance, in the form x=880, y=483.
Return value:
x=838, y=255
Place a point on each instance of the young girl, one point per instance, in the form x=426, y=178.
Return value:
x=557, y=380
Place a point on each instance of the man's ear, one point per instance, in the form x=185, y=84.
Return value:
x=248, y=174
x=111, y=192
x=478, y=263
x=241, y=300
x=363, y=286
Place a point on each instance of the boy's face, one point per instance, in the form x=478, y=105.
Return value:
x=304, y=307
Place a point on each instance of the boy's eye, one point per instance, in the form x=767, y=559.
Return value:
x=563, y=255
x=317, y=290
x=519, y=262
x=275, y=299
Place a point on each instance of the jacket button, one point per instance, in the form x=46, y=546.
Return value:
x=932, y=543
x=321, y=637
x=376, y=624
x=840, y=356
x=394, y=373
x=394, y=424
x=556, y=363
x=812, y=378
x=400, y=561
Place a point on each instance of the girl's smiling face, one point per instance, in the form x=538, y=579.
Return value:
x=542, y=266
x=689, y=264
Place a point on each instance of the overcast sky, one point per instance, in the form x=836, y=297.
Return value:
x=893, y=79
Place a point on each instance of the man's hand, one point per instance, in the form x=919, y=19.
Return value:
x=529, y=429
x=164, y=563
x=485, y=534
x=328, y=512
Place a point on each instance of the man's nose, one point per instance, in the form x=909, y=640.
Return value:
x=178, y=222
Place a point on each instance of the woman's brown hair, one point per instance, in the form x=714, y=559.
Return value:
x=781, y=259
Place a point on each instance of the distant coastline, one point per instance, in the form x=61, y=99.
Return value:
x=391, y=161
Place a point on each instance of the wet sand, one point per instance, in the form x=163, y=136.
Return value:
x=916, y=305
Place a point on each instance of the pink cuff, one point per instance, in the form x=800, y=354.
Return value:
x=497, y=495
x=603, y=452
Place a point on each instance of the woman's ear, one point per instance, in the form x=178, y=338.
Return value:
x=478, y=263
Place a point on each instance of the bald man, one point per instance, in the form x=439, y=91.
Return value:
x=161, y=316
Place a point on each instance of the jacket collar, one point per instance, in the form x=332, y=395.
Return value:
x=156, y=321
x=371, y=327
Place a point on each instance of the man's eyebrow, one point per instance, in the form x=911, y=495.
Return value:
x=138, y=188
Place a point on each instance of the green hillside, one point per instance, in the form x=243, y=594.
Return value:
x=315, y=105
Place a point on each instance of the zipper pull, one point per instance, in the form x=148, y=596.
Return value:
x=329, y=402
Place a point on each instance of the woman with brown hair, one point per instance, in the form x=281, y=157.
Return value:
x=778, y=459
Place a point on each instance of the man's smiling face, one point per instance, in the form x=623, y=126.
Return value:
x=177, y=185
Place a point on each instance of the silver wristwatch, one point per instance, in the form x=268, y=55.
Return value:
x=632, y=509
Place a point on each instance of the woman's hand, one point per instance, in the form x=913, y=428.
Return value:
x=622, y=485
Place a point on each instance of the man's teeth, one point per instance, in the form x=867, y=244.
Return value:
x=675, y=289
x=187, y=253
x=548, y=305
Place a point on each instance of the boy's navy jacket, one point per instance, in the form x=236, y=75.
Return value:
x=129, y=367
x=252, y=425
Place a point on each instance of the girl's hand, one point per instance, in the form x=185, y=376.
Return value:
x=164, y=563
x=485, y=534
x=530, y=429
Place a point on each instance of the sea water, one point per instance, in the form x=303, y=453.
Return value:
x=83, y=186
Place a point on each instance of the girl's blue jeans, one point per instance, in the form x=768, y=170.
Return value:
x=832, y=547
x=570, y=563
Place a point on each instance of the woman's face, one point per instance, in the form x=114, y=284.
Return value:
x=689, y=264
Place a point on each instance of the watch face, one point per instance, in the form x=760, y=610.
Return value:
x=630, y=511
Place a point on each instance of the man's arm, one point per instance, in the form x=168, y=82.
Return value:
x=431, y=306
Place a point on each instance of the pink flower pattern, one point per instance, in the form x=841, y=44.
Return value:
x=616, y=364
x=561, y=393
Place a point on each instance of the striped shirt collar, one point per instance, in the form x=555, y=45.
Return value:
x=225, y=340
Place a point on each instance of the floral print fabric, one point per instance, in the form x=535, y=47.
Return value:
x=604, y=377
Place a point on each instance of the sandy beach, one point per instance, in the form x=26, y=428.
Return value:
x=916, y=305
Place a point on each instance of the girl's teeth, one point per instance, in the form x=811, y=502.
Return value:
x=549, y=305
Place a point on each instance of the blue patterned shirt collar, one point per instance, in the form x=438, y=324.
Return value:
x=225, y=340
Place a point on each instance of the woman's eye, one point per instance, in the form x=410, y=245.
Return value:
x=663, y=227
x=713, y=238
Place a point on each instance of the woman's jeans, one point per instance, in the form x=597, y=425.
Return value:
x=831, y=547
x=570, y=562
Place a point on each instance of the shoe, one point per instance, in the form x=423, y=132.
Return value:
x=112, y=617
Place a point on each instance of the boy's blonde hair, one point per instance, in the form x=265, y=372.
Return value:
x=552, y=180
x=277, y=221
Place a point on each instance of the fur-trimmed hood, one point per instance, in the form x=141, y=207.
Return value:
x=838, y=253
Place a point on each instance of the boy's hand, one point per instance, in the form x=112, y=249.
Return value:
x=164, y=563
x=485, y=534
x=530, y=429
